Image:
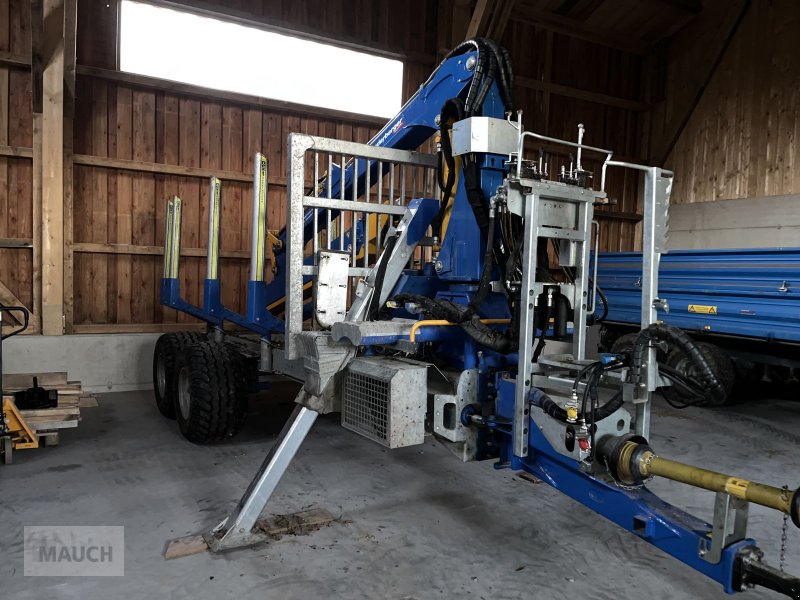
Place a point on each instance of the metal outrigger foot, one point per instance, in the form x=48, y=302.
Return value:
x=239, y=529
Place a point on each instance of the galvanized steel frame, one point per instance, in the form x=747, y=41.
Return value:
x=361, y=201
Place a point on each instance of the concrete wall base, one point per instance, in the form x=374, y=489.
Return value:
x=120, y=362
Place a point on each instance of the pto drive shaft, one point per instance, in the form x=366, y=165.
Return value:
x=631, y=461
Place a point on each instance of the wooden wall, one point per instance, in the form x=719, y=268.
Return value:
x=118, y=230
x=563, y=81
x=126, y=207
x=742, y=139
x=16, y=130
x=136, y=140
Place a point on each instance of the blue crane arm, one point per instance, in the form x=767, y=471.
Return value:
x=412, y=126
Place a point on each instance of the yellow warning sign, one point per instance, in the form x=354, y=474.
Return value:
x=702, y=309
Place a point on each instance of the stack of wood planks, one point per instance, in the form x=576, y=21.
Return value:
x=47, y=422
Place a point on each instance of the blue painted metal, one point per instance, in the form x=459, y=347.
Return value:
x=754, y=292
x=258, y=318
x=413, y=125
x=639, y=511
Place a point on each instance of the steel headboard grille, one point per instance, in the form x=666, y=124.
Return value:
x=358, y=191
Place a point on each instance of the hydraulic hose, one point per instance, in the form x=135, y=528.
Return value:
x=480, y=65
x=501, y=341
x=549, y=406
x=675, y=338
x=486, y=272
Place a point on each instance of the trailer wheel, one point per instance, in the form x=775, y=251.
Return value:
x=717, y=358
x=624, y=343
x=209, y=392
x=166, y=352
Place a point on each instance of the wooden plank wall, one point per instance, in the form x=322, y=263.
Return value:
x=741, y=141
x=118, y=206
x=16, y=173
x=130, y=122
x=123, y=207
x=548, y=57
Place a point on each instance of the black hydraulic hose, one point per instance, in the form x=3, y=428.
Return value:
x=503, y=342
x=604, y=300
x=487, y=80
x=503, y=63
x=544, y=324
x=475, y=196
x=678, y=339
x=486, y=273
x=452, y=109
x=375, y=301
x=509, y=71
x=549, y=406
x=592, y=319
x=463, y=47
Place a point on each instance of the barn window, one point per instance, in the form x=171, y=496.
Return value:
x=180, y=46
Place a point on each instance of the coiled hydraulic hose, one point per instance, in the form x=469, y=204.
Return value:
x=678, y=339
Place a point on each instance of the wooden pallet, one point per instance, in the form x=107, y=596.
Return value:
x=47, y=422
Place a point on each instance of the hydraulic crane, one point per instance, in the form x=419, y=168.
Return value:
x=416, y=293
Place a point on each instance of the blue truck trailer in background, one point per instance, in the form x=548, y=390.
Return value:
x=742, y=304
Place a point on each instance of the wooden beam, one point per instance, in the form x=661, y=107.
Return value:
x=16, y=242
x=691, y=6
x=459, y=24
x=16, y=151
x=53, y=170
x=15, y=61
x=70, y=55
x=547, y=79
x=244, y=99
x=37, y=49
x=37, y=218
x=663, y=145
x=9, y=298
x=577, y=29
x=161, y=169
x=571, y=92
x=214, y=10
x=499, y=20
x=138, y=328
x=480, y=18
x=618, y=216
x=92, y=248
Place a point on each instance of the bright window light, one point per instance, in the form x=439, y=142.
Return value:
x=175, y=45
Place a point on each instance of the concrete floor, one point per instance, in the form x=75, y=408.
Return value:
x=419, y=523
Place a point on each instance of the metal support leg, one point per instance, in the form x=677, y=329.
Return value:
x=239, y=528
x=730, y=526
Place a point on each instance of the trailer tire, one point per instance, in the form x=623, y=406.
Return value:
x=209, y=392
x=720, y=362
x=624, y=343
x=168, y=346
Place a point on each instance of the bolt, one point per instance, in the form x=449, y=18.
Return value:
x=437, y=120
x=471, y=63
x=439, y=267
